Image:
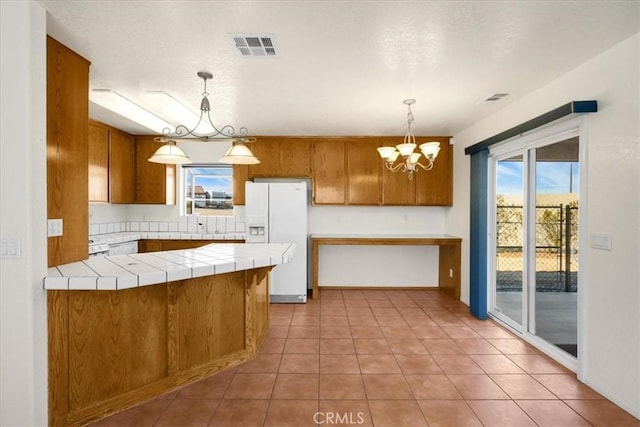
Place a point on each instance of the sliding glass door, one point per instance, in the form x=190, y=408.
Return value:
x=534, y=238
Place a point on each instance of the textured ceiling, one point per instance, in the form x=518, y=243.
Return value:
x=342, y=67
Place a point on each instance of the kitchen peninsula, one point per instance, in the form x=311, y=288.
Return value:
x=123, y=329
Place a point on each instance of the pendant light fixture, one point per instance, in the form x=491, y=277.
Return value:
x=410, y=163
x=170, y=153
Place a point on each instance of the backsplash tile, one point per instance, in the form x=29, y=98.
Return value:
x=192, y=227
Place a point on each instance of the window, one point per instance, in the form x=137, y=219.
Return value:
x=207, y=189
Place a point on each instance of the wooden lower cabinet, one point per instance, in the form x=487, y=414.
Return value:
x=109, y=350
x=156, y=245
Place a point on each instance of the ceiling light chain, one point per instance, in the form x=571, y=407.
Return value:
x=411, y=164
x=170, y=153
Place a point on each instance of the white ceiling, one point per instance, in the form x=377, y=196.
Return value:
x=342, y=67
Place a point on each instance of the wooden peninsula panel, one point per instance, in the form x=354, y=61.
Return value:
x=109, y=350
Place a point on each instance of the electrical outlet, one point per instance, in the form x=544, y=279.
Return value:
x=54, y=227
x=601, y=241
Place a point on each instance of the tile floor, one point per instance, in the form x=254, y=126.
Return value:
x=384, y=358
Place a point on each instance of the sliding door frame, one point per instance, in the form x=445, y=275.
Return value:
x=525, y=145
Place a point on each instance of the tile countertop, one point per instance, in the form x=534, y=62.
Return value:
x=130, y=271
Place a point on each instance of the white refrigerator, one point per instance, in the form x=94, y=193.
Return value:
x=276, y=212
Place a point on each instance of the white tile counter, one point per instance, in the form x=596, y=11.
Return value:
x=130, y=271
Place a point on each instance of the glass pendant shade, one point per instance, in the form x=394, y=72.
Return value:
x=386, y=152
x=413, y=159
x=239, y=154
x=170, y=154
x=405, y=149
x=430, y=149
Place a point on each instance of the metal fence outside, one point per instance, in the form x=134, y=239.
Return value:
x=556, y=248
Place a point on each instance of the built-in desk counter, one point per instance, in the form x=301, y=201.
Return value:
x=449, y=254
x=128, y=328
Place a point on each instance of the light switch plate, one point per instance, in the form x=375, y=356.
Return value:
x=10, y=248
x=54, y=227
x=601, y=241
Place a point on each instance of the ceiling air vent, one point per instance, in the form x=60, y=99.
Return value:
x=254, y=45
x=494, y=97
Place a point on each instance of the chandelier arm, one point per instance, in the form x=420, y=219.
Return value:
x=396, y=168
x=429, y=166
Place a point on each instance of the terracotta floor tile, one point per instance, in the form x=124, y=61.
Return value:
x=378, y=364
x=339, y=364
x=512, y=346
x=391, y=320
x=395, y=413
x=344, y=413
x=335, y=332
x=371, y=346
x=335, y=310
x=250, y=386
x=406, y=346
x=357, y=310
x=296, y=386
x=492, y=332
x=263, y=363
x=276, y=331
x=236, y=412
x=302, y=346
x=432, y=387
x=368, y=320
x=456, y=364
x=191, y=412
x=329, y=320
x=477, y=387
x=551, y=413
x=341, y=386
x=603, y=413
x=398, y=332
x=442, y=346
x=291, y=413
x=496, y=364
x=460, y=332
x=522, y=386
x=145, y=414
x=312, y=320
x=448, y=413
x=279, y=319
x=272, y=346
x=476, y=346
x=417, y=364
x=567, y=386
x=500, y=413
x=212, y=387
x=538, y=364
x=366, y=332
x=337, y=346
x=300, y=364
x=429, y=332
x=386, y=387
x=307, y=332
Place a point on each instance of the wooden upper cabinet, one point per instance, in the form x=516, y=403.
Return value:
x=435, y=187
x=98, y=163
x=328, y=170
x=281, y=157
x=121, y=167
x=397, y=189
x=240, y=176
x=67, y=152
x=364, y=171
x=155, y=183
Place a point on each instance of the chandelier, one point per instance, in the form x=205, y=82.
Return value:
x=409, y=163
x=170, y=153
